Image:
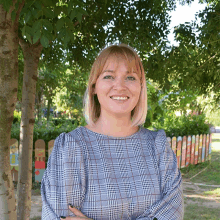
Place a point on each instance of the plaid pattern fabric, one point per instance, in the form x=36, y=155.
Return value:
x=134, y=177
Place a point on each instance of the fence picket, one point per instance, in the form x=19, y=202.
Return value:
x=178, y=154
x=174, y=144
x=183, y=160
x=188, y=151
x=203, y=147
x=50, y=147
x=14, y=159
x=200, y=148
x=210, y=146
x=207, y=148
x=39, y=159
x=197, y=149
x=192, y=161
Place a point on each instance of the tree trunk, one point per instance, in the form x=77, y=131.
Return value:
x=31, y=60
x=39, y=108
x=8, y=98
x=48, y=110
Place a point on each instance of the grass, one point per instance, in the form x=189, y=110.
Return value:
x=198, y=212
x=36, y=218
x=214, y=192
x=210, y=176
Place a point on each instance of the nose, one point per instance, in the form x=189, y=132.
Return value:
x=119, y=83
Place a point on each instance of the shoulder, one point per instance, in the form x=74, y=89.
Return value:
x=66, y=140
x=156, y=135
x=157, y=139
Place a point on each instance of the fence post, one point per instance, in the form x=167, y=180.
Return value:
x=197, y=149
x=14, y=159
x=178, y=154
x=207, y=147
x=188, y=151
x=200, y=148
x=203, y=147
x=210, y=146
x=192, y=161
x=39, y=159
x=50, y=147
x=174, y=144
x=183, y=162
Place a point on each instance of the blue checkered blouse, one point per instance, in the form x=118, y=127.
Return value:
x=134, y=177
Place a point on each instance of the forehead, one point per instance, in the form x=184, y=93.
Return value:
x=113, y=62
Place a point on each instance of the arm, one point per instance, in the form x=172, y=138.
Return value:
x=63, y=182
x=171, y=203
x=49, y=182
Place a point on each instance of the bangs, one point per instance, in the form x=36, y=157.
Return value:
x=118, y=54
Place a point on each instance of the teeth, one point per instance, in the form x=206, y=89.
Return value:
x=119, y=98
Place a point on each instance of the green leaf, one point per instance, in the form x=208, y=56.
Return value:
x=60, y=24
x=13, y=15
x=49, y=3
x=37, y=25
x=36, y=36
x=79, y=17
x=70, y=7
x=48, y=13
x=57, y=11
x=28, y=30
x=6, y=4
x=62, y=33
x=44, y=41
x=27, y=16
x=73, y=14
x=23, y=31
x=82, y=11
x=38, y=5
x=66, y=38
x=47, y=25
x=28, y=36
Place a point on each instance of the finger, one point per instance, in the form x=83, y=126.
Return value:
x=76, y=211
x=71, y=218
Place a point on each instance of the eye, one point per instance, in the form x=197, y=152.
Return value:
x=108, y=77
x=131, y=78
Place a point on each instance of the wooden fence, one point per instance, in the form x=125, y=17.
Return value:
x=188, y=150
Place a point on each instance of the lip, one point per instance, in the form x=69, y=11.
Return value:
x=119, y=96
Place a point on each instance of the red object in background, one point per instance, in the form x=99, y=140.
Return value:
x=37, y=172
x=39, y=165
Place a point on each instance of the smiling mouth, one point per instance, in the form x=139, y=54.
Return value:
x=119, y=98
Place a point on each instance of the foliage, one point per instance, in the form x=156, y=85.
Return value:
x=181, y=125
x=193, y=65
x=17, y=117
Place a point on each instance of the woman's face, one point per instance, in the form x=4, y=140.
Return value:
x=117, y=89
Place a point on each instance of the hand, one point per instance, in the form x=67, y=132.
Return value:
x=77, y=213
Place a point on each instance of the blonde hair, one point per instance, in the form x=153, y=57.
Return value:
x=92, y=108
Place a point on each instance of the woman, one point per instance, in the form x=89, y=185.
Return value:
x=113, y=168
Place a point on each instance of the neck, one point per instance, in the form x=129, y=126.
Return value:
x=114, y=126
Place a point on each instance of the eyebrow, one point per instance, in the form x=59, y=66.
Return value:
x=112, y=71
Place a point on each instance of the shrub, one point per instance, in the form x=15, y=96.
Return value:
x=181, y=125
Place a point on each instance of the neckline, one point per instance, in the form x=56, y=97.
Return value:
x=111, y=137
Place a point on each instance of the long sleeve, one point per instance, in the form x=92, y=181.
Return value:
x=63, y=181
x=50, y=182
x=171, y=204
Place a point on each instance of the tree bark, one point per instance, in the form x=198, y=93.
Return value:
x=48, y=110
x=8, y=97
x=32, y=54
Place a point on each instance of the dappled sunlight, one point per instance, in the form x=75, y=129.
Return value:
x=214, y=192
x=209, y=198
